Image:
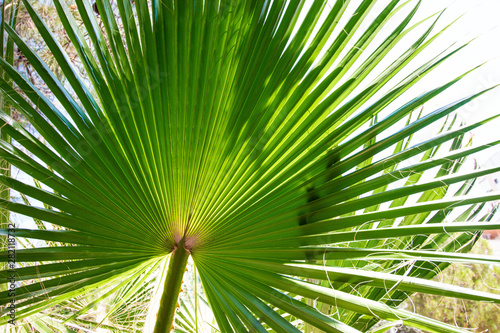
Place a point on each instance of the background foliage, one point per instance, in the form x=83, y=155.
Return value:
x=484, y=317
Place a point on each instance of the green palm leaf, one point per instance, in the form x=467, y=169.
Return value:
x=244, y=135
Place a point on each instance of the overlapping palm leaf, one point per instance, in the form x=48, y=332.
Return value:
x=247, y=134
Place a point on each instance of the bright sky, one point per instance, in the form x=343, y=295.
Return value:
x=480, y=19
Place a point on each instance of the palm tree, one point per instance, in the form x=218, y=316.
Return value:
x=246, y=136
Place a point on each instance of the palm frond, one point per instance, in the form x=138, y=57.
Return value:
x=247, y=136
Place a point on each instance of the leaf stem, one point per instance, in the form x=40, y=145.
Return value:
x=171, y=289
x=196, y=299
